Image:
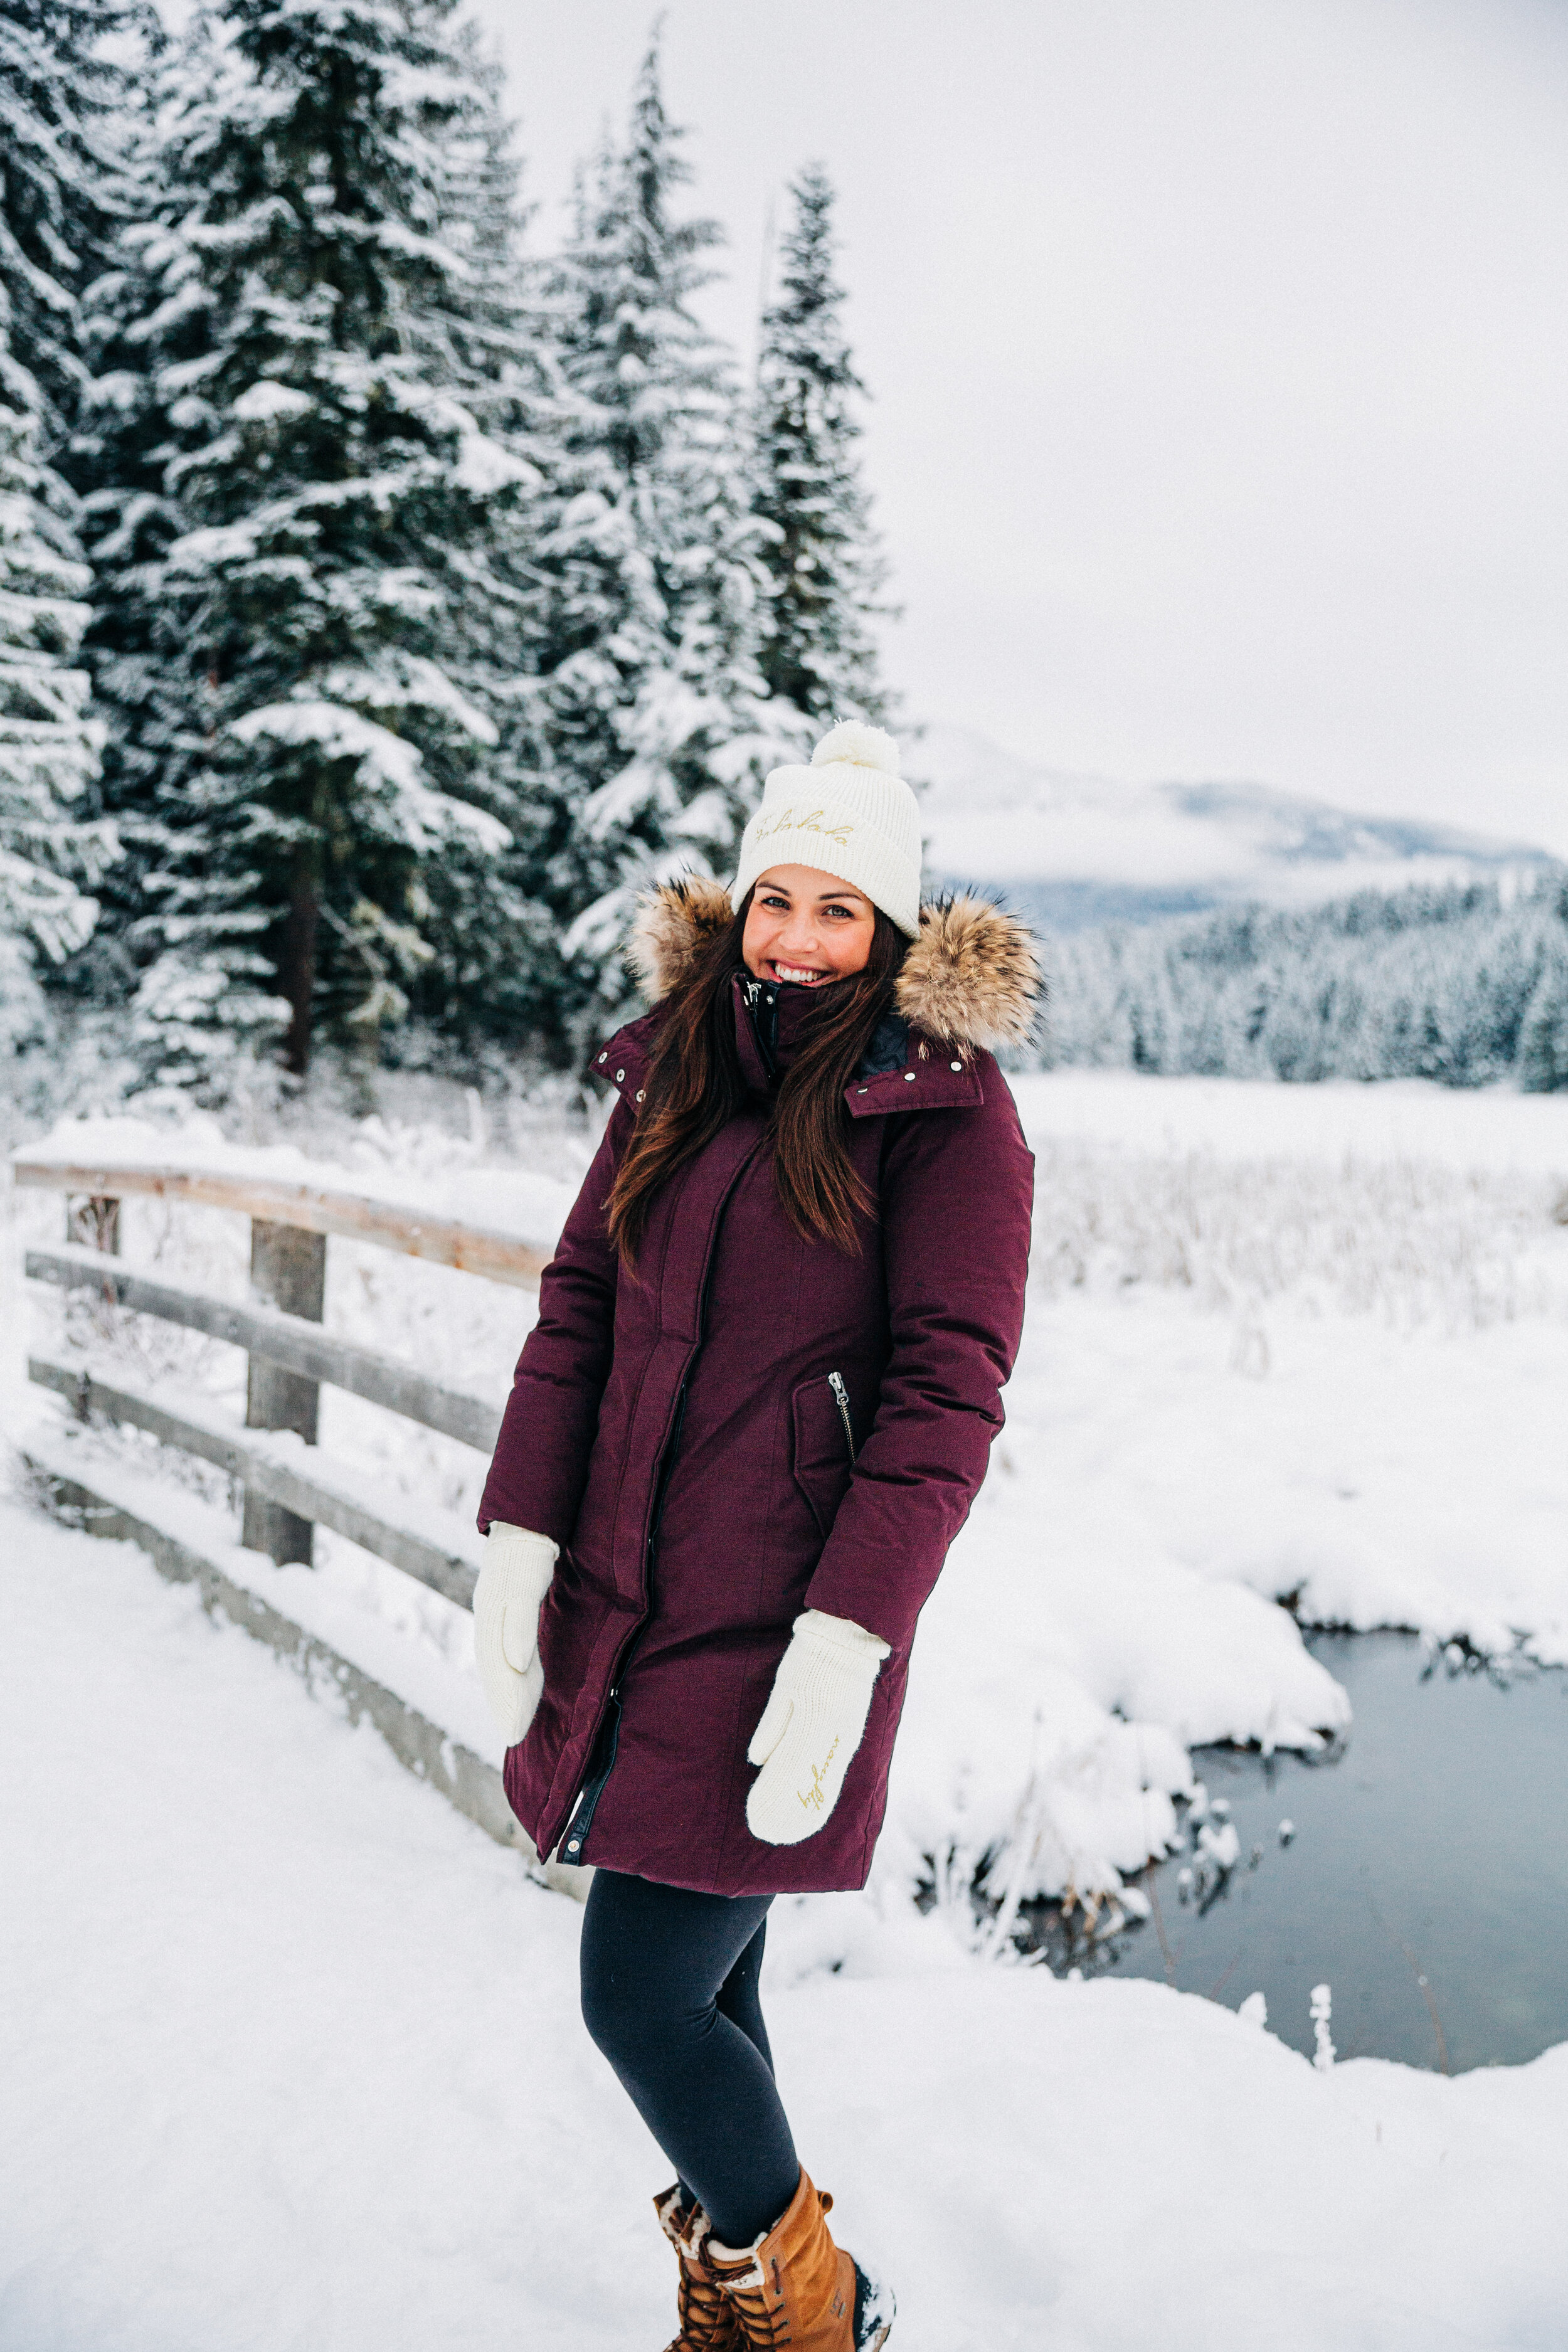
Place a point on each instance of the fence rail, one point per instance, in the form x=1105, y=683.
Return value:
x=292, y=1341
x=312, y=1208
x=291, y=1486
x=307, y=1493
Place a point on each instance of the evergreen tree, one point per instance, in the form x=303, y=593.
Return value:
x=300, y=528
x=1542, y=1063
x=1461, y=983
x=499, y=972
x=63, y=92
x=825, y=572
x=657, y=714
x=177, y=940
x=49, y=748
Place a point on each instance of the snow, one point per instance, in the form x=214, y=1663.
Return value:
x=1208, y=1412
x=511, y=1200
x=267, y=399
x=420, y=684
x=322, y=1601
x=1489, y=1128
x=292, y=2059
x=421, y=816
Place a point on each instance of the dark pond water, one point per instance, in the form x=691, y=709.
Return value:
x=1424, y=1879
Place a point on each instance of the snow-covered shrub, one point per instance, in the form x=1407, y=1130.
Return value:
x=1412, y=1242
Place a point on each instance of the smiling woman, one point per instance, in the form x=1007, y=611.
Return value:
x=753, y=1413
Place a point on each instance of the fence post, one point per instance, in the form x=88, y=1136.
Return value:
x=288, y=1271
x=94, y=1221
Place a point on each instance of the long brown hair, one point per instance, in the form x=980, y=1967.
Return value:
x=696, y=1084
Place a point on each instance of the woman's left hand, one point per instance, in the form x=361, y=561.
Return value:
x=810, y=1727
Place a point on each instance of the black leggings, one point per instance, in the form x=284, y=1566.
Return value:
x=669, y=1994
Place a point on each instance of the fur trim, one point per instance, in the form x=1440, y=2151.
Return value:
x=671, y=923
x=971, y=978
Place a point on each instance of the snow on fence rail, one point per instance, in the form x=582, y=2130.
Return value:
x=308, y=1208
x=289, y=1485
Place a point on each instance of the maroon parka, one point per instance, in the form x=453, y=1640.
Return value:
x=759, y=1424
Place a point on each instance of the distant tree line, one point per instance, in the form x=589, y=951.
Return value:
x=1466, y=984
x=383, y=604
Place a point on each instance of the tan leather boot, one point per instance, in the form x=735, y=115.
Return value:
x=795, y=2287
x=707, y=2316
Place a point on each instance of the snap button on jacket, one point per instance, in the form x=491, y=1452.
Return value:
x=680, y=1438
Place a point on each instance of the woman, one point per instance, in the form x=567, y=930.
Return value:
x=753, y=1415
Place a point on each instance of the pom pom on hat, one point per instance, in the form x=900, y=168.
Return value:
x=858, y=746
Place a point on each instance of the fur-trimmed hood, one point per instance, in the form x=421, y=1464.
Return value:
x=971, y=978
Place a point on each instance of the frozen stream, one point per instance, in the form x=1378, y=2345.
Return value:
x=1431, y=1846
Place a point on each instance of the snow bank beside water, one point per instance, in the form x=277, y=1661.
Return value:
x=292, y=2059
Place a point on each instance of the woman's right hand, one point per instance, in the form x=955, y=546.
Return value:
x=513, y=1581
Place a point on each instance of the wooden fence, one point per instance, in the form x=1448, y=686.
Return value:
x=290, y=1487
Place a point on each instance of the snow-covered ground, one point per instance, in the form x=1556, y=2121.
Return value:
x=292, y=2059
x=292, y=2064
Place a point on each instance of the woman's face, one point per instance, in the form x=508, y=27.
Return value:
x=806, y=926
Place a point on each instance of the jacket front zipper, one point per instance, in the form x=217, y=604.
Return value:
x=841, y=1399
x=607, y=1738
x=607, y=1735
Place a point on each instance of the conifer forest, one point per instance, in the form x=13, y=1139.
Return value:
x=387, y=599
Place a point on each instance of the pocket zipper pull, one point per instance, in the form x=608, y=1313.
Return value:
x=841, y=1399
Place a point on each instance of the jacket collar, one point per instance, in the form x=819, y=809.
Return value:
x=923, y=1078
x=971, y=978
x=770, y=1017
x=969, y=983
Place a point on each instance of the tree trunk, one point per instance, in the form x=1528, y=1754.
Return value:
x=299, y=969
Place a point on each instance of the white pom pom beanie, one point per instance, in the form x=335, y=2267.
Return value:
x=850, y=815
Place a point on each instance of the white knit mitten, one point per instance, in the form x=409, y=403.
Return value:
x=811, y=1726
x=513, y=1581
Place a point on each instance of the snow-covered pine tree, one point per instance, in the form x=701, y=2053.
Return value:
x=61, y=88
x=49, y=747
x=499, y=973
x=1542, y=1064
x=64, y=84
x=825, y=570
x=336, y=491
x=657, y=714
x=176, y=943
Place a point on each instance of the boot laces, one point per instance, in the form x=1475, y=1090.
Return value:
x=707, y=2321
x=756, y=2296
x=763, y=2323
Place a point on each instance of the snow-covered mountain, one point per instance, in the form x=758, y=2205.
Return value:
x=1072, y=850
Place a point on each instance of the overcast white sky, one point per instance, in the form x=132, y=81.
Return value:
x=1219, y=351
